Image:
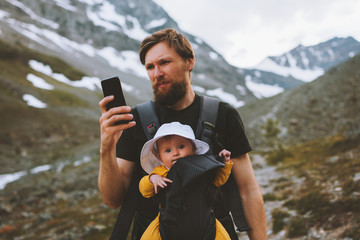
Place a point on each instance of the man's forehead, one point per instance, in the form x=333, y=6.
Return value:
x=160, y=51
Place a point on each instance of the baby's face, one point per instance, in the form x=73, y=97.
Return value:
x=174, y=147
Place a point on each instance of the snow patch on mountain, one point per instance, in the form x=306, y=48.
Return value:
x=33, y=101
x=107, y=17
x=3, y=14
x=126, y=61
x=306, y=75
x=91, y=83
x=213, y=55
x=261, y=90
x=156, y=23
x=32, y=15
x=221, y=94
x=39, y=82
x=241, y=89
x=66, y=4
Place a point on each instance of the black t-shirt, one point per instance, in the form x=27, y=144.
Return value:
x=229, y=128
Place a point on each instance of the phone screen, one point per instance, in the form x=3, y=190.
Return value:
x=112, y=86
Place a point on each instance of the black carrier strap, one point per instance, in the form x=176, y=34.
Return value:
x=205, y=129
x=127, y=211
x=148, y=118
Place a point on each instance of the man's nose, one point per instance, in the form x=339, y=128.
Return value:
x=157, y=72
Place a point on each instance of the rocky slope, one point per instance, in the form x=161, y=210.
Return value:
x=101, y=38
x=325, y=107
x=314, y=143
x=297, y=66
x=32, y=135
x=52, y=57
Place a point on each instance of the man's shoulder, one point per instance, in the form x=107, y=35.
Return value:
x=226, y=109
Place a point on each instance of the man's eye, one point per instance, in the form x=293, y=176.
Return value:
x=164, y=62
x=149, y=67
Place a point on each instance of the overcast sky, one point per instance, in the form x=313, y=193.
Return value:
x=245, y=32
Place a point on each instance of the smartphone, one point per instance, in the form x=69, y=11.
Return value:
x=112, y=86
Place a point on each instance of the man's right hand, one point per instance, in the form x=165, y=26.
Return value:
x=111, y=133
x=115, y=173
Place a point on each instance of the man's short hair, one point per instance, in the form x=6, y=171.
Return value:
x=174, y=39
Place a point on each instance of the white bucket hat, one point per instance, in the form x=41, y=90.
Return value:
x=149, y=161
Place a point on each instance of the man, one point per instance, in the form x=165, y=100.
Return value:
x=169, y=59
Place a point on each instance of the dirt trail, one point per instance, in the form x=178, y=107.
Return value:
x=265, y=175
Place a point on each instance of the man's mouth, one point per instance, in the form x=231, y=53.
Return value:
x=163, y=84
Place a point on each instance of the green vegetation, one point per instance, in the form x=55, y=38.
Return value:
x=34, y=136
x=63, y=98
x=70, y=206
x=271, y=133
x=278, y=217
x=276, y=151
x=297, y=228
x=329, y=196
x=21, y=56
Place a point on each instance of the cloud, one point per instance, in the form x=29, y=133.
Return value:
x=245, y=32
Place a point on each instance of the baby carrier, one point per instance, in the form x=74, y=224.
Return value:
x=187, y=205
x=205, y=131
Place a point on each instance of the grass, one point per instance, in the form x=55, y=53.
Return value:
x=21, y=55
x=13, y=79
x=328, y=197
x=54, y=205
x=34, y=136
x=279, y=217
x=297, y=228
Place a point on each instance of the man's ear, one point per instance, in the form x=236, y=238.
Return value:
x=191, y=63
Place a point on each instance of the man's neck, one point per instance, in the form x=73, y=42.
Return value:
x=186, y=101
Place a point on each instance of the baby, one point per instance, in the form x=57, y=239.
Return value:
x=172, y=142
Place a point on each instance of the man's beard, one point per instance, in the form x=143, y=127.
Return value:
x=176, y=92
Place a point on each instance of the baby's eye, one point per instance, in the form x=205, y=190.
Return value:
x=182, y=146
x=167, y=150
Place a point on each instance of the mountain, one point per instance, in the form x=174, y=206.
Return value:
x=54, y=53
x=52, y=57
x=101, y=39
x=328, y=106
x=308, y=63
x=42, y=114
x=301, y=64
x=311, y=135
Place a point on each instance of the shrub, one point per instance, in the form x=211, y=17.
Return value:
x=278, y=218
x=297, y=227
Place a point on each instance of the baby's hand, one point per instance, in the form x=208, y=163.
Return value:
x=226, y=155
x=158, y=181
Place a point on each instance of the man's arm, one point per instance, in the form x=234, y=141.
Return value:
x=114, y=180
x=114, y=173
x=251, y=196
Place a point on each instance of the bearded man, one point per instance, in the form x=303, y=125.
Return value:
x=169, y=59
